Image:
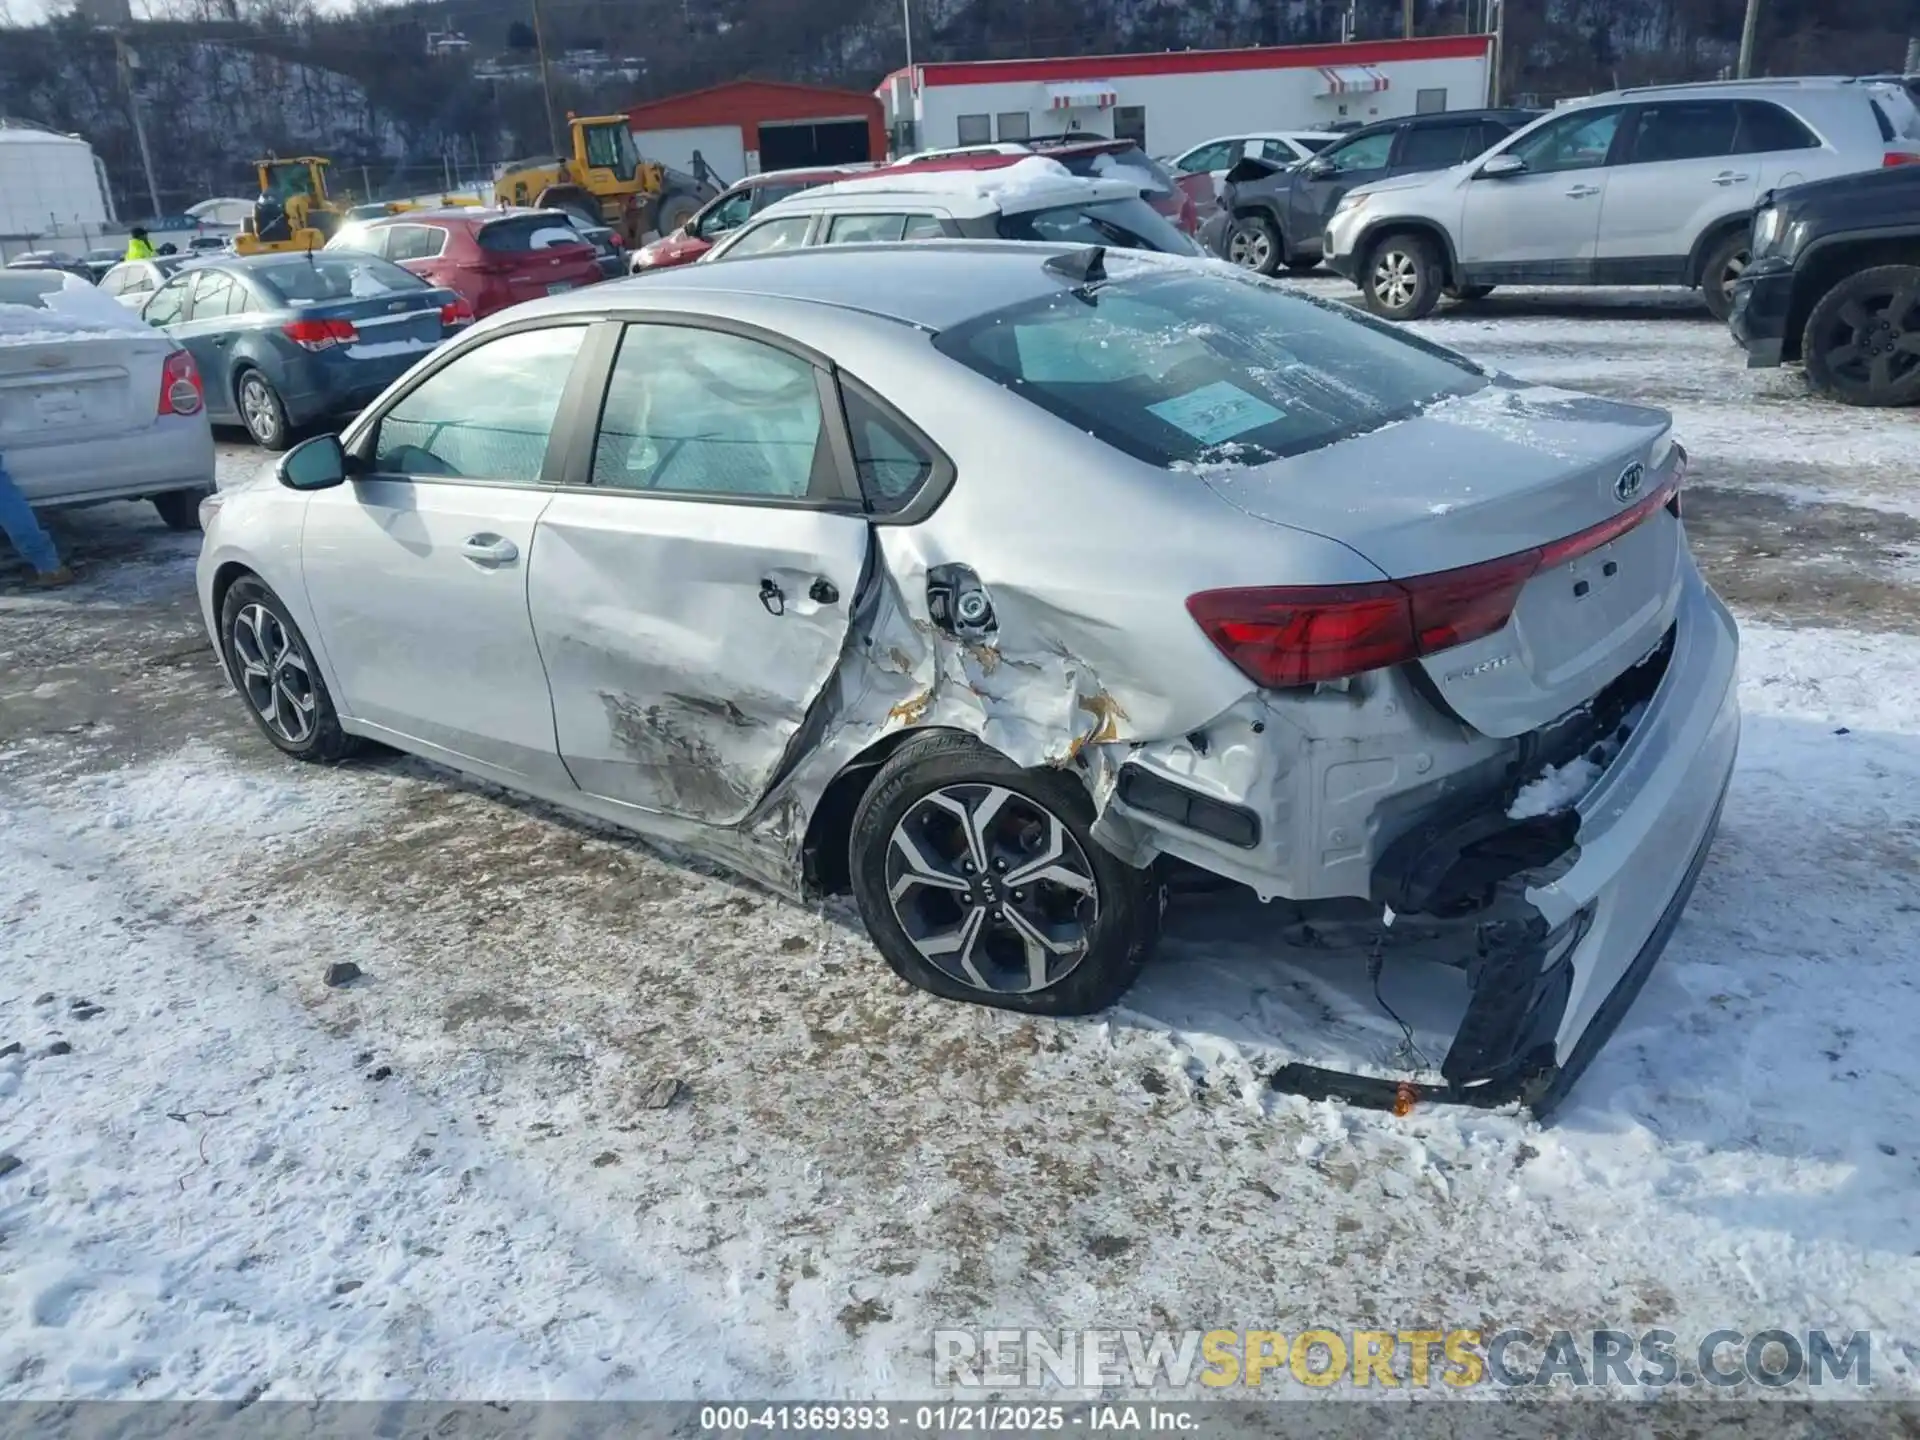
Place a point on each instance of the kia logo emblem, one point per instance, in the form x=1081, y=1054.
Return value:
x=1629, y=483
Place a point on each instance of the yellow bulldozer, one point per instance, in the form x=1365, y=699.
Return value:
x=605, y=182
x=294, y=211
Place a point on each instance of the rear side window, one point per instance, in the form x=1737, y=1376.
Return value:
x=865, y=229
x=524, y=233
x=1684, y=130
x=414, y=242
x=1129, y=224
x=1367, y=152
x=323, y=276
x=1178, y=367
x=893, y=462
x=1766, y=127
x=487, y=415
x=1434, y=147
x=168, y=303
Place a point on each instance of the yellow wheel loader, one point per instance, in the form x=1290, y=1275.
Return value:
x=605, y=182
x=293, y=211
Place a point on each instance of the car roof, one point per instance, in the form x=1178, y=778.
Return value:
x=1762, y=85
x=974, y=192
x=931, y=284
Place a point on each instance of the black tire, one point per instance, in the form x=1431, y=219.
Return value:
x=180, y=509
x=1724, y=264
x=262, y=411
x=676, y=208
x=1402, y=277
x=1111, y=926
x=1254, y=243
x=1468, y=293
x=1862, y=341
x=1300, y=264
x=266, y=674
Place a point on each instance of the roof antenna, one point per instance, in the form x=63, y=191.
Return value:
x=1084, y=267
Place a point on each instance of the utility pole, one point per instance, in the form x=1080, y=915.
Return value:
x=127, y=62
x=1495, y=89
x=1748, y=33
x=906, y=25
x=546, y=85
x=1406, y=20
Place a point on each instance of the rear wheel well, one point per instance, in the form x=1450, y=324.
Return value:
x=823, y=854
x=1828, y=266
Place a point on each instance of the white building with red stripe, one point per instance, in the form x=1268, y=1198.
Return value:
x=1175, y=99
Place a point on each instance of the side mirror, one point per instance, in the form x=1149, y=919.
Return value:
x=1503, y=167
x=316, y=464
x=1319, y=167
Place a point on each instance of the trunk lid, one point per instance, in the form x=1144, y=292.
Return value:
x=62, y=380
x=396, y=323
x=1492, y=474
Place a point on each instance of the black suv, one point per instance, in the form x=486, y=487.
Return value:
x=1834, y=283
x=1272, y=215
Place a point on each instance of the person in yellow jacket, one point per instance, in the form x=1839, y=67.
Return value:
x=138, y=246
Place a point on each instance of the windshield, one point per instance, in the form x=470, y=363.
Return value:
x=1129, y=164
x=1181, y=366
x=1129, y=224
x=286, y=181
x=320, y=276
x=610, y=147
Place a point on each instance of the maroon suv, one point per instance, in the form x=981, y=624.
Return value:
x=729, y=210
x=1183, y=199
x=492, y=258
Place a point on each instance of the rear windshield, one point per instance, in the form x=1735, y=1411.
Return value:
x=527, y=232
x=1129, y=224
x=1180, y=366
x=29, y=288
x=1134, y=165
x=318, y=276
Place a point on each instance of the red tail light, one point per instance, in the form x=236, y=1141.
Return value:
x=1900, y=157
x=456, y=312
x=181, y=390
x=1302, y=635
x=320, y=334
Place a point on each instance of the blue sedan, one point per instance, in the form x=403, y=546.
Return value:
x=285, y=340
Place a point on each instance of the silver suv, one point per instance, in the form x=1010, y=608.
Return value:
x=1652, y=186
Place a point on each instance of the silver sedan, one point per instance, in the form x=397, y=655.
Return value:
x=997, y=584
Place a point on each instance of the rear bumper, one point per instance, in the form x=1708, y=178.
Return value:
x=1545, y=1001
x=174, y=453
x=1762, y=304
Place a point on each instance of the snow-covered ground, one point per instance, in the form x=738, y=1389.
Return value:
x=595, y=1123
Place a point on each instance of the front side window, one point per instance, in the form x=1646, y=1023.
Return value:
x=1218, y=156
x=786, y=234
x=729, y=212
x=700, y=412
x=923, y=227
x=1129, y=224
x=1580, y=141
x=415, y=242
x=368, y=239
x=974, y=130
x=1684, y=130
x=1363, y=152
x=865, y=229
x=1177, y=367
x=485, y=416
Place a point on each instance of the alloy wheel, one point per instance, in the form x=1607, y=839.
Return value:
x=991, y=888
x=259, y=409
x=273, y=673
x=1876, y=340
x=1250, y=247
x=1396, y=278
x=1735, y=267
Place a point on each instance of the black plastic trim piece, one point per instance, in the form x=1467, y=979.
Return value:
x=1143, y=790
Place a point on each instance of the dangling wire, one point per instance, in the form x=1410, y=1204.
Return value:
x=1409, y=1052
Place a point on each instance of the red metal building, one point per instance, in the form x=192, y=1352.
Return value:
x=747, y=126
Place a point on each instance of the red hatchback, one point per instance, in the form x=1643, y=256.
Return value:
x=492, y=258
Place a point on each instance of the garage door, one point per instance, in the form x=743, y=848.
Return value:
x=792, y=145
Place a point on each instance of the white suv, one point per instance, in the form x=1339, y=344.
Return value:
x=1652, y=186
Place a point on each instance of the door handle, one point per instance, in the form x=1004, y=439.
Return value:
x=772, y=598
x=1728, y=177
x=490, y=550
x=1581, y=192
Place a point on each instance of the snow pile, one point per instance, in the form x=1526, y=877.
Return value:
x=31, y=325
